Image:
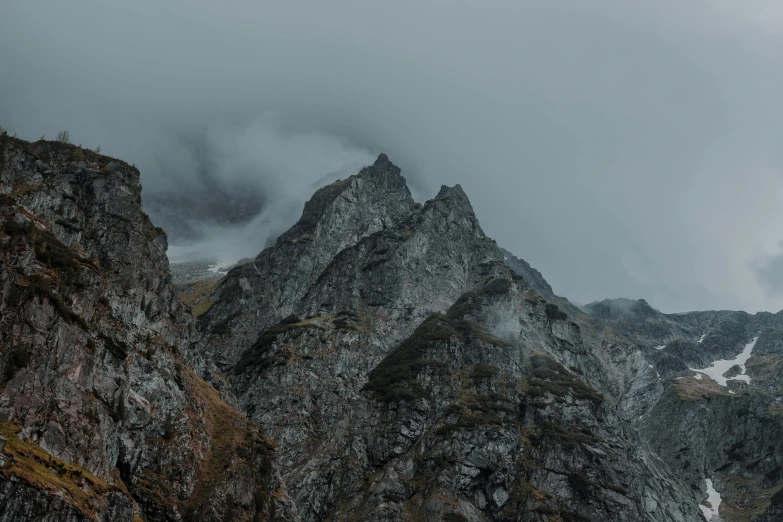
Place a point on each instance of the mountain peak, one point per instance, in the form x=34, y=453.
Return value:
x=383, y=167
x=383, y=161
x=455, y=191
x=379, y=187
x=455, y=196
x=369, y=303
x=620, y=308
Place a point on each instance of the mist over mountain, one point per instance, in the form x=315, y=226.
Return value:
x=225, y=194
x=636, y=138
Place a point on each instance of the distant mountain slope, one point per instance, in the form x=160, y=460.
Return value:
x=706, y=418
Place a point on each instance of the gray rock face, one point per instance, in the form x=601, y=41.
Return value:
x=21, y=501
x=530, y=274
x=703, y=428
x=365, y=301
x=101, y=413
x=486, y=416
x=409, y=374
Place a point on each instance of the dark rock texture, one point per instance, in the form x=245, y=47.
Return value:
x=102, y=415
x=256, y=295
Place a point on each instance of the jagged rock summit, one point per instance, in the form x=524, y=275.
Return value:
x=614, y=309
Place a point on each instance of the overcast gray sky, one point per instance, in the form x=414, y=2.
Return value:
x=623, y=148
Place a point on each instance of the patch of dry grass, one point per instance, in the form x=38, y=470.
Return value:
x=692, y=389
x=32, y=464
x=234, y=441
x=744, y=498
x=197, y=295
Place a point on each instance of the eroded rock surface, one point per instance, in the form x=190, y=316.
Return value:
x=102, y=413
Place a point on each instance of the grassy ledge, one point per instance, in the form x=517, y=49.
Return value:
x=32, y=464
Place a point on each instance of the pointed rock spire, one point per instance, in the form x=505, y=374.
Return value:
x=455, y=194
x=385, y=172
x=383, y=161
x=454, y=199
x=379, y=189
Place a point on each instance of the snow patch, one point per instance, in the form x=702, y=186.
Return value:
x=661, y=347
x=701, y=339
x=650, y=365
x=718, y=368
x=697, y=376
x=713, y=499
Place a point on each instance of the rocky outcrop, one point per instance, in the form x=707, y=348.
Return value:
x=101, y=412
x=412, y=375
x=476, y=418
x=303, y=377
x=532, y=276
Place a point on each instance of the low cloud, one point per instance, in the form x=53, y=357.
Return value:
x=625, y=149
x=225, y=194
x=769, y=272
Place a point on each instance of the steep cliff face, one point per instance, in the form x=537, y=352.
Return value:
x=704, y=388
x=303, y=378
x=102, y=416
x=414, y=376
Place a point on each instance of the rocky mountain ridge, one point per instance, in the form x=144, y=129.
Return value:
x=383, y=360
x=416, y=376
